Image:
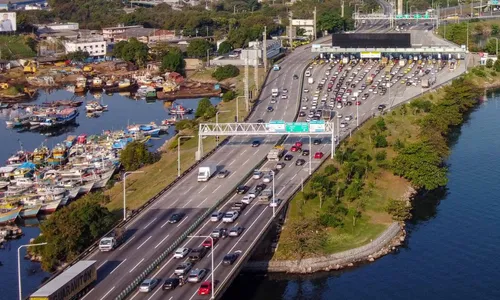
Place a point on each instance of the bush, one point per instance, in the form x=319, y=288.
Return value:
x=399, y=210
x=228, y=96
x=205, y=109
x=381, y=155
x=380, y=141
x=225, y=72
x=184, y=124
x=136, y=155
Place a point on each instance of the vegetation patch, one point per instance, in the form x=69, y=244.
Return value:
x=225, y=72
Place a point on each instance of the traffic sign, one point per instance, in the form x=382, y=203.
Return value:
x=399, y=16
x=297, y=127
x=317, y=126
x=417, y=16
x=407, y=16
x=276, y=126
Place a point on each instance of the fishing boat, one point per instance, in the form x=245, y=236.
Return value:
x=70, y=141
x=59, y=103
x=35, y=120
x=4, y=105
x=95, y=106
x=143, y=89
x=58, y=156
x=81, y=85
x=24, y=170
x=18, y=158
x=148, y=129
x=9, y=215
x=150, y=93
x=18, y=121
x=51, y=192
x=7, y=172
x=180, y=110
x=121, y=86
x=30, y=211
x=21, y=182
x=4, y=184
x=97, y=84
x=49, y=207
x=170, y=121
x=65, y=116
x=40, y=154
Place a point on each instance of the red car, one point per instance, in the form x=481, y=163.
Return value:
x=318, y=155
x=205, y=288
x=298, y=144
x=294, y=149
x=208, y=242
x=358, y=102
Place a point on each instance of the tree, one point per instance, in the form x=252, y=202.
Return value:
x=495, y=29
x=173, y=61
x=322, y=186
x=205, y=109
x=225, y=47
x=496, y=65
x=79, y=56
x=489, y=63
x=399, y=210
x=224, y=72
x=380, y=141
x=135, y=155
x=228, y=96
x=132, y=51
x=198, y=48
x=72, y=229
x=330, y=21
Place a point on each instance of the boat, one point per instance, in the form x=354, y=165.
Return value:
x=9, y=216
x=21, y=182
x=30, y=211
x=51, y=192
x=65, y=116
x=170, y=121
x=26, y=169
x=18, y=121
x=18, y=158
x=121, y=86
x=150, y=94
x=81, y=85
x=95, y=106
x=70, y=141
x=4, y=105
x=97, y=84
x=59, y=155
x=143, y=89
x=180, y=110
x=49, y=207
x=35, y=120
x=59, y=103
x=4, y=184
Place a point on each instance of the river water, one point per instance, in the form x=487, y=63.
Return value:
x=453, y=242
x=121, y=111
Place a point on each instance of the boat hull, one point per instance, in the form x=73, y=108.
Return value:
x=10, y=216
x=30, y=211
x=117, y=88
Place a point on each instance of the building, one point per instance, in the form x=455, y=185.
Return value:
x=305, y=24
x=255, y=51
x=95, y=46
x=141, y=34
x=110, y=33
x=32, y=7
x=56, y=27
x=161, y=35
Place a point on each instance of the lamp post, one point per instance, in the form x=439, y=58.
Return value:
x=496, y=44
x=179, y=153
x=125, y=192
x=19, y=265
x=213, y=270
x=237, y=108
x=310, y=154
x=274, y=204
x=217, y=123
x=357, y=114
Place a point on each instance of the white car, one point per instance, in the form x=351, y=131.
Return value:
x=339, y=116
x=267, y=178
x=284, y=96
x=247, y=199
x=275, y=203
x=216, y=216
x=343, y=125
x=348, y=118
x=257, y=174
x=230, y=217
x=181, y=252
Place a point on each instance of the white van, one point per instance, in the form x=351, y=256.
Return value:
x=308, y=73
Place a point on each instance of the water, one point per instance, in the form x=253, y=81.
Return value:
x=121, y=111
x=453, y=241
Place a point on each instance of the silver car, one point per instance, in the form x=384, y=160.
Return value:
x=197, y=275
x=148, y=285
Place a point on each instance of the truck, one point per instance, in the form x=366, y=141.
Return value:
x=112, y=241
x=402, y=62
x=310, y=80
x=276, y=68
x=275, y=92
x=71, y=284
x=275, y=154
x=265, y=196
x=384, y=61
x=369, y=79
x=425, y=83
x=206, y=172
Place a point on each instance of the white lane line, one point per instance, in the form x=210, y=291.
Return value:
x=232, y=162
x=293, y=176
x=134, y=295
x=144, y=242
x=216, y=189
x=185, y=218
x=246, y=161
x=98, y=267
x=126, y=243
x=243, y=152
x=201, y=203
x=87, y=294
x=136, y=266
x=164, y=224
x=188, y=190
x=281, y=190
x=187, y=203
x=108, y=292
x=159, y=288
x=149, y=223
x=118, y=266
x=211, y=250
x=202, y=189
x=161, y=241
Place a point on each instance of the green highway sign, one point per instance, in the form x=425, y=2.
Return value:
x=399, y=16
x=297, y=127
x=407, y=16
x=417, y=16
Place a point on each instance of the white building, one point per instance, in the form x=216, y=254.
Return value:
x=57, y=26
x=95, y=46
x=306, y=24
x=255, y=51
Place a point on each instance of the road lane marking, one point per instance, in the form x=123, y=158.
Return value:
x=188, y=190
x=144, y=242
x=216, y=189
x=126, y=243
x=281, y=190
x=161, y=241
x=149, y=223
x=243, y=152
x=202, y=189
x=137, y=293
x=164, y=224
x=108, y=292
x=87, y=294
x=187, y=203
x=118, y=266
x=201, y=203
x=185, y=218
x=232, y=162
x=136, y=266
x=159, y=288
x=101, y=264
x=213, y=250
x=246, y=161
x=293, y=176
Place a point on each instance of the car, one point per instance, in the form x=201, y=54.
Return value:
x=306, y=90
x=219, y=233
x=260, y=121
x=183, y=268
x=348, y=118
x=148, y=285
x=284, y=96
x=381, y=107
x=300, y=162
x=196, y=275
x=253, y=193
x=222, y=174
x=318, y=155
x=275, y=203
x=273, y=101
x=358, y=102
x=229, y=259
x=298, y=144
x=255, y=143
x=305, y=152
x=285, y=91
x=295, y=76
x=242, y=189
x=302, y=114
x=339, y=116
x=181, y=252
x=257, y=174
x=216, y=216
x=317, y=141
x=197, y=254
x=267, y=178
x=288, y=157
x=230, y=217
x=205, y=288
x=175, y=218
x=343, y=125
x=171, y=283
x=235, y=231
x=247, y=199
x=280, y=165
x=270, y=109
x=294, y=149
x=260, y=187
x=208, y=242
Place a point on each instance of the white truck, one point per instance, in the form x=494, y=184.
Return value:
x=402, y=62
x=275, y=92
x=112, y=241
x=275, y=154
x=206, y=172
x=310, y=80
x=425, y=83
x=265, y=196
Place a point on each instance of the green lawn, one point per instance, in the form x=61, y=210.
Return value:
x=15, y=47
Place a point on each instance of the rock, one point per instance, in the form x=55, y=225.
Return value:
x=402, y=238
x=371, y=259
x=350, y=264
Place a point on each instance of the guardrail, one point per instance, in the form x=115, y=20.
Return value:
x=133, y=285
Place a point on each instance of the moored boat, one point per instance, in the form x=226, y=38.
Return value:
x=40, y=154
x=95, y=106
x=81, y=85
x=9, y=215
x=30, y=211
x=180, y=110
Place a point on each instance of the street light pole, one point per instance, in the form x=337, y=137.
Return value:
x=213, y=270
x=217, y=123
x=310, y=154
x=237, y=108
x=179, y=153
x=274, y=208
x=125, y=192
x=357, y=114
x=19, y=265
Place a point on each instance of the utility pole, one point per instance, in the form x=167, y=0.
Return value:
x=342, y=6
x=290, y=33
x=246, y=81
x=264, y=50
x=315, y=31
x=256, y=70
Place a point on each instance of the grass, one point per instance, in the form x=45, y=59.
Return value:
x=15, y=47
x=143, y=186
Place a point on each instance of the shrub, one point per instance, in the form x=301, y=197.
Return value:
x=381, y=155
x=228, y=96
x=225, y=72
x=380, y=141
